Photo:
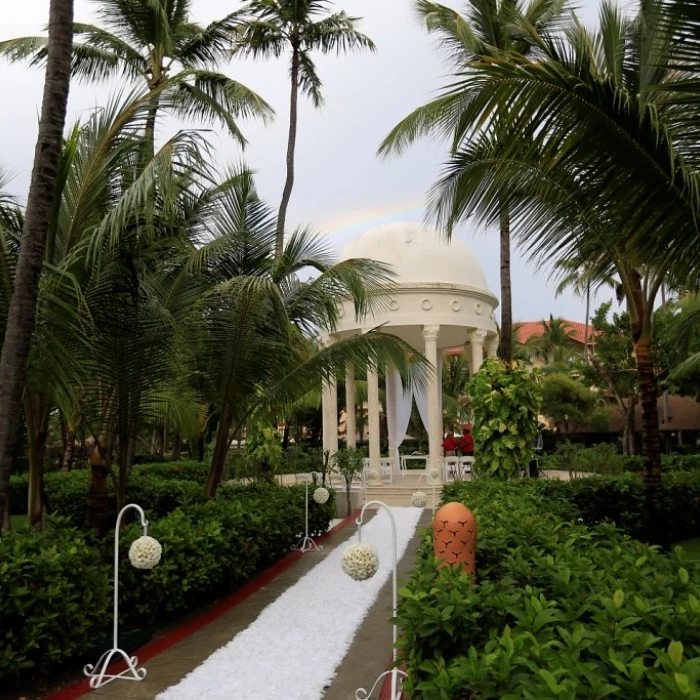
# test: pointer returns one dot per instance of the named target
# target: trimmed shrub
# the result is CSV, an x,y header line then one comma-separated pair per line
x,y
559,610
188,471
620,500
55,594
56,581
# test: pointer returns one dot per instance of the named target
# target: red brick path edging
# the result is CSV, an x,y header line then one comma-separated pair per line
x,y
151,649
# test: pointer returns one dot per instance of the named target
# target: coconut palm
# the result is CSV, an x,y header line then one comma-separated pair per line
x,y
609,174
22,309
487,27
270,28
155,41
553,345
256,314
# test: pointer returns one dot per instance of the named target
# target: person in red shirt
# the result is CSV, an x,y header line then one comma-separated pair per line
x,y
467,442
450,445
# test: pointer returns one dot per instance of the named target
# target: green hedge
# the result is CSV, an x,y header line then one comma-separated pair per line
x,y
605,458
55,581
54,595
620,500
559,610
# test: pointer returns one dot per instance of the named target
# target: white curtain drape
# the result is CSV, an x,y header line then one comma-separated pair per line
x,y
420,394
399,403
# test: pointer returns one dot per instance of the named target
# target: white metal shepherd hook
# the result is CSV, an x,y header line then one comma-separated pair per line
x,y
97,673
306,543
397,675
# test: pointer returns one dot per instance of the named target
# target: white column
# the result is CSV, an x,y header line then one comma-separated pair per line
x,y
476,338
373,419
430,336
390,407
350,427
492,345
329,403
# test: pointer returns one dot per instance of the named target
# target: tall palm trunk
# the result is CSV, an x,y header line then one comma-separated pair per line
x,y
291,145
505,348
36,410
588,316
216,468
21,316
655,525
97,511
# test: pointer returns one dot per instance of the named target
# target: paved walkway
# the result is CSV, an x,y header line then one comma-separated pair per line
x,y
369,655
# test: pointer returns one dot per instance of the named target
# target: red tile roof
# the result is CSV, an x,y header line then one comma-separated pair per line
x,y
528,329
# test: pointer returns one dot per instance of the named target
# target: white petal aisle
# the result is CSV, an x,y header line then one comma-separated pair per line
x,y
294,647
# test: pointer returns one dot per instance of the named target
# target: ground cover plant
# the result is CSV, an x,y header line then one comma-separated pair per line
x,y
559,609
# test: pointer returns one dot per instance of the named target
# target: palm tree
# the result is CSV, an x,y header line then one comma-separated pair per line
x,y
577,277
554,343
265,28
255,315
610,172
155,41
22,310
489,27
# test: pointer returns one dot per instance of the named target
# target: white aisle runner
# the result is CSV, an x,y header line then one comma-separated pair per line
x,y
292,650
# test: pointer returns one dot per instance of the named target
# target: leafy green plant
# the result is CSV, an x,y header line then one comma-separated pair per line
x,y
560,610
505,402
51,582
264,451
348,463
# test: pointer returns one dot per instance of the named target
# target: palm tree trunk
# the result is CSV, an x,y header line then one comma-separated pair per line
x,y
291,145
216,469
177,446
97,511
21,316
588,316
655,516
36,410
505,348
655,525
68,451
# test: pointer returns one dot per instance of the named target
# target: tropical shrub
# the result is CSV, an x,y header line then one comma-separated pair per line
x,y
559,610
620,500
51,583
55,580
505,402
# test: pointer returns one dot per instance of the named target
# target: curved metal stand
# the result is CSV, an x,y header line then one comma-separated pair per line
x,y
97,673
431,482
306,543
397,675
362,694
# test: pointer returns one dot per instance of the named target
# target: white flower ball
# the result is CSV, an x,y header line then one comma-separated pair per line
x,y
145,552
321,495
360,561
374,475
434,473
419,499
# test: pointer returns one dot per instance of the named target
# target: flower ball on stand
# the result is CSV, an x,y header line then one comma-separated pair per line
x,y
360,561
145,552
321,495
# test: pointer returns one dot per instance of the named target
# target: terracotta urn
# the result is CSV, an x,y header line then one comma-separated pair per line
x,y
454,537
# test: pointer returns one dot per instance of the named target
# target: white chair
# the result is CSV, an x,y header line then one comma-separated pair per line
x,y
450,466
466,464
386,467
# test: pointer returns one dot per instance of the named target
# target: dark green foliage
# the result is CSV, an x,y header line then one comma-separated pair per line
x,y
560,610
190,471
55,595
620,500
55,581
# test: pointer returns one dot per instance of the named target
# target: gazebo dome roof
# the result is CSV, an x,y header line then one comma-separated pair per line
x,y
420,254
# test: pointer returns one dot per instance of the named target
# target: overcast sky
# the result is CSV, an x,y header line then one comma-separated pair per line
x,y
341,188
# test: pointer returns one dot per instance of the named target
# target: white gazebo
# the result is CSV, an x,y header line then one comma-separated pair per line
x,y
440,301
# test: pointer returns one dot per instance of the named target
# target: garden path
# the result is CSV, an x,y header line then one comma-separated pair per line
x,y
367,657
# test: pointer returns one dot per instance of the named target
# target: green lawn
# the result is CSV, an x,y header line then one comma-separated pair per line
x,y
692,547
